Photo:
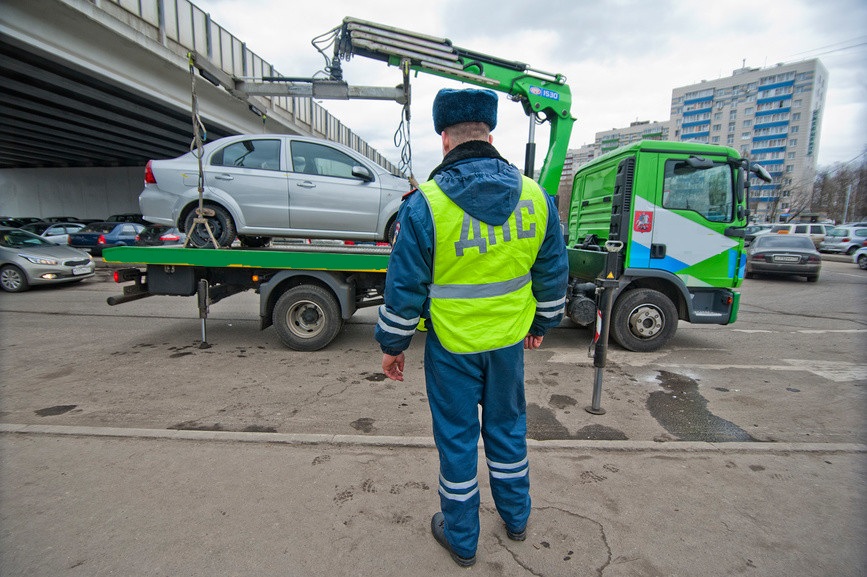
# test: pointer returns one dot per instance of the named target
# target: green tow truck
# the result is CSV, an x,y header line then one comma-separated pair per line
x,y
658,226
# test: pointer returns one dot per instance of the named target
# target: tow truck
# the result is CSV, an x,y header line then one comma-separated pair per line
x,y
656,227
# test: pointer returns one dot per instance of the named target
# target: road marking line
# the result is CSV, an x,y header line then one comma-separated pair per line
x,y
840,372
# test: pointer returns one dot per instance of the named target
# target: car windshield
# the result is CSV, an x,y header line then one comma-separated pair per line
x,y
100,227
838,232
21,238
783,241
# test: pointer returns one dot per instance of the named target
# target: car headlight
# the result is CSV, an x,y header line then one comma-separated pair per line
x,y
40,259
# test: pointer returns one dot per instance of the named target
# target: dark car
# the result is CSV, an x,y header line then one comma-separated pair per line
x,y
160,235
783,254
753,230
127,217
18,221
99,235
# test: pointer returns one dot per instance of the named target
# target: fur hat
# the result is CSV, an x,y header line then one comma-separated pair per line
x,y
452,107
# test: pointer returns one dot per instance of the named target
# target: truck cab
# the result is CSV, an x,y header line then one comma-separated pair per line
x,y
676,211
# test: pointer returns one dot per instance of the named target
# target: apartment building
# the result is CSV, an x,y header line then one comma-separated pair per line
x,y
773,115
608,140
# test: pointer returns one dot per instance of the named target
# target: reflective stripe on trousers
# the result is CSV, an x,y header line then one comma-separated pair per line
x,y
456,385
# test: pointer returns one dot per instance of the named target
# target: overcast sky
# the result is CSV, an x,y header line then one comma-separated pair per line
x,y
622,58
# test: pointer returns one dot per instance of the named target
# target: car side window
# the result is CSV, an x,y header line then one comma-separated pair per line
x,y
709,192
801,228
128,229
262,154
312,158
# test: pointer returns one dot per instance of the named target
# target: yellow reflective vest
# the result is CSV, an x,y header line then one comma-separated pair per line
x,y
481,298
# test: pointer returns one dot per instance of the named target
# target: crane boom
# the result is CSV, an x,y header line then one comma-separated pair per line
x,y
544,95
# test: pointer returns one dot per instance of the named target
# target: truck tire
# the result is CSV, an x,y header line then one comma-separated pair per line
x,y
221,225
643,320
307,317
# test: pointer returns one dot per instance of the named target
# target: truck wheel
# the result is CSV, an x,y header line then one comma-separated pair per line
x,y
13,279
307,317
643,320
221,225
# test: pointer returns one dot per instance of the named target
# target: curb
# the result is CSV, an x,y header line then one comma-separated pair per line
x,y
426,442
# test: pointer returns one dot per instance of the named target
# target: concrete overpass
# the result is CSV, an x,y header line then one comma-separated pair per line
x,y
91,90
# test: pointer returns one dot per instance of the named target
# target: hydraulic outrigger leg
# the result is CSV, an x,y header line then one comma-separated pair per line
x,y
606,288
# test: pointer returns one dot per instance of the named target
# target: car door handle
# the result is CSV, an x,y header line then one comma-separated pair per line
x,y
224,177
305,184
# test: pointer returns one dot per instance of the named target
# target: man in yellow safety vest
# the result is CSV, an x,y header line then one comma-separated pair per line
x,y
478,256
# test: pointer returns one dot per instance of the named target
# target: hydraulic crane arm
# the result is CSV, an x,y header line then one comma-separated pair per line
x,y
544,95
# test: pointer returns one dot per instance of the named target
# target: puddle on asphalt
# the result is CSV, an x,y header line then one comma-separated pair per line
x,y
55,410
683,412
542,425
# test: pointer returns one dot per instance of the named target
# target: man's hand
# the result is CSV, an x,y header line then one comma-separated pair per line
x,y
393,366
532,342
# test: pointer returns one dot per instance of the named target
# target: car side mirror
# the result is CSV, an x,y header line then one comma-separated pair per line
x,y
362,173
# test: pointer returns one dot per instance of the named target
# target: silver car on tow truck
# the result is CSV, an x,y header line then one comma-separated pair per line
x,y
274,185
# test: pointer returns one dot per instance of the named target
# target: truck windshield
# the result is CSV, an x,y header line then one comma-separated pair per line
x,y
709,191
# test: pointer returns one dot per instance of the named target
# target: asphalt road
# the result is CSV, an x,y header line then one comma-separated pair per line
x,y
127,449
791,369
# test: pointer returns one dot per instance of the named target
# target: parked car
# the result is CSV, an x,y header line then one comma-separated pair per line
x,y
782,254
56,232
274,185
752,230
844,239
127,217
859,257
815,231
17,221
159,235
27,259
99,235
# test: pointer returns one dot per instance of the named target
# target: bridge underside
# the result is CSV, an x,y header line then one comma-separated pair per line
x,y
53,114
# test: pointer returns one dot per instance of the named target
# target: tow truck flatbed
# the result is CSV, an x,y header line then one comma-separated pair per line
x,y
352,258
306,291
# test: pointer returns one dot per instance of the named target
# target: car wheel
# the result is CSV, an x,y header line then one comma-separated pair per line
x,y
813,278
13,279
862,262
750,275
307,317
851,250
390,230
254,241
221,224
643,320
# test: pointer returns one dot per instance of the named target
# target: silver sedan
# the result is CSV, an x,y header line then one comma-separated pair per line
x,y
27,259
273,185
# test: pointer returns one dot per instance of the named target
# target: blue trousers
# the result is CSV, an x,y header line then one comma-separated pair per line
x,y
456,386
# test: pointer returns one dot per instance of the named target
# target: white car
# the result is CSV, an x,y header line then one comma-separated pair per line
x,y
56,232
274,185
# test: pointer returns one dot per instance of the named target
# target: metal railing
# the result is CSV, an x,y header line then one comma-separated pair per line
x,y
182,26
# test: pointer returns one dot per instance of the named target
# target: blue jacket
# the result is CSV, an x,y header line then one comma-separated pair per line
x,y
487,187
